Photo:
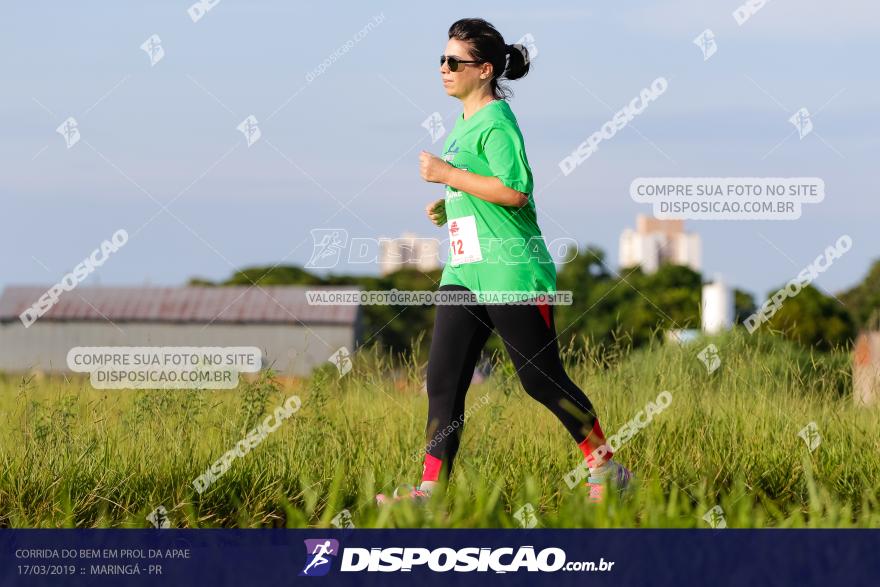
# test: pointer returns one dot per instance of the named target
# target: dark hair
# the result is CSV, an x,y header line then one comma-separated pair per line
x,y
509,62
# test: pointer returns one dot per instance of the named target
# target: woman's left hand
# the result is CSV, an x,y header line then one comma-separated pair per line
x,y
433,168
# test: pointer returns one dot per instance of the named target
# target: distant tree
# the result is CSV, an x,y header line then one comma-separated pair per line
x,y
275,275
630,304
200,282
397,327
863,300
814,319
743,305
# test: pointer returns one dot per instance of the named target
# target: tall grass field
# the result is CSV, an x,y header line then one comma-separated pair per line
x,y
73,456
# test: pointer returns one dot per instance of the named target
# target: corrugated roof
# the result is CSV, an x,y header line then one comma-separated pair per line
x,y
266,304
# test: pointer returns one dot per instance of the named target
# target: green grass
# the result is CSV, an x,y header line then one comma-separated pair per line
x,y
72,456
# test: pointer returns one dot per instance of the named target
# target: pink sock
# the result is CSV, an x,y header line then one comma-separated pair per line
x,y
431,470
594,448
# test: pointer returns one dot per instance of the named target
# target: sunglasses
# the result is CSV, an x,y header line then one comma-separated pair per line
x,y
453,62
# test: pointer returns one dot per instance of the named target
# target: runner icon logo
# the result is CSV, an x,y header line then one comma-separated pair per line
x,y
451,152
319,555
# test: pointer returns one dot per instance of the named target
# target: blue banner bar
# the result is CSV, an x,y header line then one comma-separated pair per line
x,y
440,557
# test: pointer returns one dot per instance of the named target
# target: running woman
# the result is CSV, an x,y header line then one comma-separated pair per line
x,y
496,246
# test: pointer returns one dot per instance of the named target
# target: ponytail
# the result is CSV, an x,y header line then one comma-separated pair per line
x,y
509,62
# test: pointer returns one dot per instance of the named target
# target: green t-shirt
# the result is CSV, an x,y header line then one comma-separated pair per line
x,y
494,248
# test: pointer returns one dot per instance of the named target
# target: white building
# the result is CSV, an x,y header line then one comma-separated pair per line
x,y
409,250
655,242
717,307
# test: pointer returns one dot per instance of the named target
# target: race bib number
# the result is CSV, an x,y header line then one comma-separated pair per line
x,y
464,241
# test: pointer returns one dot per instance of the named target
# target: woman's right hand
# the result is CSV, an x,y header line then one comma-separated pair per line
x,y
437,212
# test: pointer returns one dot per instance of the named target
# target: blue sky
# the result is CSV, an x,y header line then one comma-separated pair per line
x,y
168,132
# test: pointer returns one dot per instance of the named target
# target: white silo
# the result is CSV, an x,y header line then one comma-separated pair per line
x,y
717,306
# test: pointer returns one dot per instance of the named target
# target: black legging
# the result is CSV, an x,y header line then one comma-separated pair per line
x,y
460,331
